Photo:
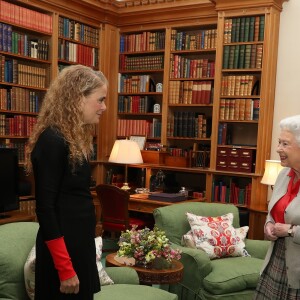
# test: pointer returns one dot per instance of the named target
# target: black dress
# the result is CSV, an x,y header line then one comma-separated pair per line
x,y
64,207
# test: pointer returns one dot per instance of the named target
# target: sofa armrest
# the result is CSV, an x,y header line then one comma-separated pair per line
x,y
197,266
123,275
257,248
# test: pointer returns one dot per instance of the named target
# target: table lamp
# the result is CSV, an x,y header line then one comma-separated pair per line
x,y
126,152
272,169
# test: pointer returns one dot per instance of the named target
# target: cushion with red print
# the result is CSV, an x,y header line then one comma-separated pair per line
x,y
216,236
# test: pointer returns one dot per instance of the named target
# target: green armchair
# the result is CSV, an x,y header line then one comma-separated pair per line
x,y
17,239
226,278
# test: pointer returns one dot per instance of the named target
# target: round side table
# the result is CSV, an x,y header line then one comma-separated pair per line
x,y
149,276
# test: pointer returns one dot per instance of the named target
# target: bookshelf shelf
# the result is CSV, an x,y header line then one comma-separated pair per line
x,y
14,137
189,78
141,93
15,112
28,87
190,105
192,52
241,70
140,114
79,42
142,71
22,57
188,139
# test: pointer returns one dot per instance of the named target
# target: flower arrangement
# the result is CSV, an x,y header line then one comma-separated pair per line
x,y
146,245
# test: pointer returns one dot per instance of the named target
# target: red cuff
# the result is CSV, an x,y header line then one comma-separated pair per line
x,y
61,258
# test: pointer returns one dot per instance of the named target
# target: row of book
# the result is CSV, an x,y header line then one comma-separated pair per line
x,y
188,124
244,29
22,44
78,53
13,71
25,17
19,125
135,104
184,67
231,192
193,40
18,145
239,109
149,128
200,156
144,41
148,62
179,152
74,30
190,92
20,99
243,56
28,207
239,85
135,84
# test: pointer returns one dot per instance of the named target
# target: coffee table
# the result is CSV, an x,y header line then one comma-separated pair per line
x,y
149,276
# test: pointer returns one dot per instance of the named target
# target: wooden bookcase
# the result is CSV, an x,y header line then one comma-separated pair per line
x,y
36,42
236,161
141,69
115,21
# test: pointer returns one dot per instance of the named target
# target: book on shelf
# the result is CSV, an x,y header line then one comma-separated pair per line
x,y
244,29
229,190
144,41
238,85
193,40
25,17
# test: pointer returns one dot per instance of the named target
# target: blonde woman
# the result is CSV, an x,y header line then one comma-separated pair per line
x,y
58,154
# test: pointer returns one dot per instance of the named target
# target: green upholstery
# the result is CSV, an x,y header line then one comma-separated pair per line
x,y
17,239
226,278
130,292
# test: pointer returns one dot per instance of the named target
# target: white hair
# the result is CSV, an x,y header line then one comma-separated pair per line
x,y
292,124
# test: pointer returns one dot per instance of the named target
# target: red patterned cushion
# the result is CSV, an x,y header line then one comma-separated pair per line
x,y
216,235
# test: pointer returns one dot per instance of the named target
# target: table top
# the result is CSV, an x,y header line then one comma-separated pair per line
x,y
141,203
170,275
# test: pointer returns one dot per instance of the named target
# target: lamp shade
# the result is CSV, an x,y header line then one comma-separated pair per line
x,y
126,152
272,169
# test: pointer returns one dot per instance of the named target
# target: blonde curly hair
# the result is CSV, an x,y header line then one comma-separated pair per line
x,y
61,110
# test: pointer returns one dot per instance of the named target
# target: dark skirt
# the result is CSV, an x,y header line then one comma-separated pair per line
x,y
273,283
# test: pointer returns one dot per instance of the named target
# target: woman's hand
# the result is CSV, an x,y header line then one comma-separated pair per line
x,y
270,232
70,286
281,230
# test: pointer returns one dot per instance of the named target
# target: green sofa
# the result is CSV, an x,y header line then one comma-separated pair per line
x,y
17,239
226,278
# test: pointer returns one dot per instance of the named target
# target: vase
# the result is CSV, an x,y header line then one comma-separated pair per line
x,y
160,263
143,263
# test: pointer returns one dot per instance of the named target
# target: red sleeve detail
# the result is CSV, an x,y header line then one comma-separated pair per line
x,y
61,258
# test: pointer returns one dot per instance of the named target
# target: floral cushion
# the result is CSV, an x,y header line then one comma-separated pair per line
x,y
104,278
216,236
29,269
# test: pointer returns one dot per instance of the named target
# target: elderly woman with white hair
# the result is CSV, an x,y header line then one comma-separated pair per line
x,y
280,278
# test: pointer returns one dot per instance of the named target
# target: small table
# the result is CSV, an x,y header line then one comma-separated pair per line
x,y
150,276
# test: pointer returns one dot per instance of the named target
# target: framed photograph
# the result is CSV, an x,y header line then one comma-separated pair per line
x,y
140,139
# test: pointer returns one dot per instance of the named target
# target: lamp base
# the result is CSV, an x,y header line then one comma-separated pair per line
x,y
125,186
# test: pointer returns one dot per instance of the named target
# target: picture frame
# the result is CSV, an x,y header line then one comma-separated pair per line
x,y
139,139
